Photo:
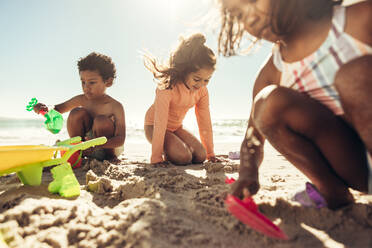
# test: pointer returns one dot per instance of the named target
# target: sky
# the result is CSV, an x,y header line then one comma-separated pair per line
x,y
42,40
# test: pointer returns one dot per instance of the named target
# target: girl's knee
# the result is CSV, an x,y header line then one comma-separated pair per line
x,y
199,156
181,158
78,114
270,105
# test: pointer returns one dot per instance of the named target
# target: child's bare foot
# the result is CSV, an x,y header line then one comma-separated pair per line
x,y
338,198
335,202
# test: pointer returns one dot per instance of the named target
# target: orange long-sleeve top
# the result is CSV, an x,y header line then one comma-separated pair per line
x,y
169,110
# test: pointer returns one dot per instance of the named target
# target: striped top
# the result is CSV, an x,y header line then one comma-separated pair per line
x,y
314,75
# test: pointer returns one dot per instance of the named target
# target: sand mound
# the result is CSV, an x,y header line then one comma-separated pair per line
x,y
134,204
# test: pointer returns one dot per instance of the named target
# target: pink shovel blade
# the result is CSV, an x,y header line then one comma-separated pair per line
x,y
247,212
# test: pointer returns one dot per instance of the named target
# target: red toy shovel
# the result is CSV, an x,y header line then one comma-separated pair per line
x,y
247,212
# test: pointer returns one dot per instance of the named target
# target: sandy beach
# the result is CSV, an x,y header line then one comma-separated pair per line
x,y
134,204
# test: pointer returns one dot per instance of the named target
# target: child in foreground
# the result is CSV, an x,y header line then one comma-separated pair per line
x,y
311,99
181,85
94,113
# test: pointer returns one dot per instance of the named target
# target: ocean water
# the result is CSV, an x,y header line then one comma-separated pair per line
x,y
33,132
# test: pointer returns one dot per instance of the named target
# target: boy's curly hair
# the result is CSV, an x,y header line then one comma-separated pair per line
x,y
98,62
285,15
190,55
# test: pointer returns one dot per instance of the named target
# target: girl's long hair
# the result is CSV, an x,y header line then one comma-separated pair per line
x,y
285,15
190,55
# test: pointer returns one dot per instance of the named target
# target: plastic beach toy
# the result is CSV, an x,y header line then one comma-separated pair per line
x,y
247,212
28,162
2,242
54,120
310,197
234,155
75,159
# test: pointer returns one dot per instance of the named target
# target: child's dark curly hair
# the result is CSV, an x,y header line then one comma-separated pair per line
x,y
190,56
285,14
98,62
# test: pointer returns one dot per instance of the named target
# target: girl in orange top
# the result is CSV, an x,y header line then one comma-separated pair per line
x,y
181,85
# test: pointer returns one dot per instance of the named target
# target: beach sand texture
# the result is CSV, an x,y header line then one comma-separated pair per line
x,y
134,204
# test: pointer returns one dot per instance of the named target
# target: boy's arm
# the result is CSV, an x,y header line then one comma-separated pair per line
x,y
68,105
251,151
62,107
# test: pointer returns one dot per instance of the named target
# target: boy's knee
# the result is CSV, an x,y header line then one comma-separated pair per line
x,y
78,113
103,126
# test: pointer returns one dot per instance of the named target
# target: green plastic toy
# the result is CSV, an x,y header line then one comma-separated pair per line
x,y
65,182
28,162
54,119
2,242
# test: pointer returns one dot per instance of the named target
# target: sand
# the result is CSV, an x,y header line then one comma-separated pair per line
x,y
134,204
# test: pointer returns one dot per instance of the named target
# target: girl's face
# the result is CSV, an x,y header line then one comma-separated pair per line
x,y
93,84
255,15
199,78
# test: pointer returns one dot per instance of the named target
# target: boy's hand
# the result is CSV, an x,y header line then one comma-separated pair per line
x,y
40,107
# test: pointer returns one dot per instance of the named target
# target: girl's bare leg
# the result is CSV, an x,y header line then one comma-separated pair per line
x,y
321,145
176,151
199,154
79,122
354,84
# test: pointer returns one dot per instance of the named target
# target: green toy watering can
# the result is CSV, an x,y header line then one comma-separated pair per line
x,y
54,119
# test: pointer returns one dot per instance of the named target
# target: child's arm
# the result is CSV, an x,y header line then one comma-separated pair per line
x,y
62,107
68,105
358,21
203,117
251,151
162,101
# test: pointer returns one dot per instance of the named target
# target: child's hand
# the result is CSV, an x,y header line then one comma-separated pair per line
x,y
163,164
245,187
40,107
214,159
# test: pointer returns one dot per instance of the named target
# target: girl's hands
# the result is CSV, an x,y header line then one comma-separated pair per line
x,y
214,159
163,164
40,107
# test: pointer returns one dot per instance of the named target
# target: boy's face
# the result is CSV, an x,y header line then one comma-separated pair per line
x,y
92,84
200,78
